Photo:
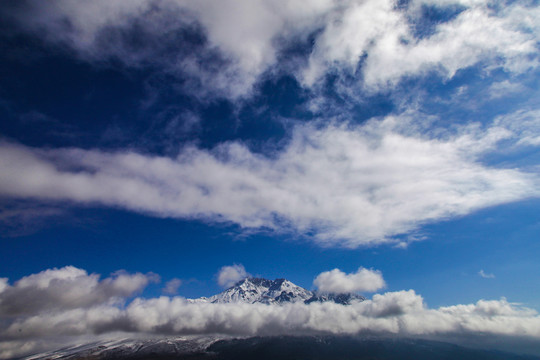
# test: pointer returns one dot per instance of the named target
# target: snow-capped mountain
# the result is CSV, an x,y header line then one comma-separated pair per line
x,y
279,291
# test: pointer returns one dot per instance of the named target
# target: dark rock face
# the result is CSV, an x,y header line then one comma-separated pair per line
x,y
330,348
257,281
343,299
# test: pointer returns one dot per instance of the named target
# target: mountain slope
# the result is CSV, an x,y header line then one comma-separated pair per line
x,y
277,347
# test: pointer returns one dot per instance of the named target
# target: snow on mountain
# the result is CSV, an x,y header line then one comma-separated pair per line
x,y
166,348
279,291
343,299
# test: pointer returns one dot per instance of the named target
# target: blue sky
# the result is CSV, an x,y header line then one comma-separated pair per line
x,y
178,137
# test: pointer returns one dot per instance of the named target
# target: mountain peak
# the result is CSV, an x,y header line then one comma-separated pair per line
x,y
279,291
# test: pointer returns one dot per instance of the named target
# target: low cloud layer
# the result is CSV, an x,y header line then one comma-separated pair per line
x,y
402,313
230,275
336,281
348,185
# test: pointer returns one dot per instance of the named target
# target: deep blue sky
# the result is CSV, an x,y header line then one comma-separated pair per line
x,y
124,92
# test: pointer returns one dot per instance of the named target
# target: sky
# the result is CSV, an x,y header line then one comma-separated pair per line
x,y
157,150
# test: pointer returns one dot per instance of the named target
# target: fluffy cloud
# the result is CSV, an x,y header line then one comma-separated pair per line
x,y
336,281
247,37
230,275
401,313
67,288
350,186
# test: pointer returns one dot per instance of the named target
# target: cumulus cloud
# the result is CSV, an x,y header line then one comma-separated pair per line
x,y
486,275
247,37
67,288
348,185
230,275
172,286
336,281
402,313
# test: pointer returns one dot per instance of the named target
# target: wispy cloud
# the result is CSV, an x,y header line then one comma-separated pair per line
x,y
172,286
349,185
486,275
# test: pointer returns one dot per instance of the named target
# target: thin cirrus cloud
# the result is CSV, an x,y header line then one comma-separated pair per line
x,y
343,32
402,313
336,281
348,185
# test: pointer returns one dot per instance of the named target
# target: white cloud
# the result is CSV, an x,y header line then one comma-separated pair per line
x,y
336,281
242,35
230,275
400,313
172,286
378,35
3,284
348,185
525,124
247,36
66,288
505,88
486,275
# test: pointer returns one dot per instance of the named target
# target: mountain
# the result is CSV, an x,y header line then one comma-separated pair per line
x,y
161,348
277,347
343,299
279,291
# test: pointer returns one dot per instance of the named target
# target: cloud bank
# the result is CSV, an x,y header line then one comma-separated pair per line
x,y
402,313
348,185
336,281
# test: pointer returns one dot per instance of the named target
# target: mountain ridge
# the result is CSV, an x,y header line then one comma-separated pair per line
x,y
253,290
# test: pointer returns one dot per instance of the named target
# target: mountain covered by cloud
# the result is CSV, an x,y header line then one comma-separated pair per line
x,y
37,326
277,347
301,138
